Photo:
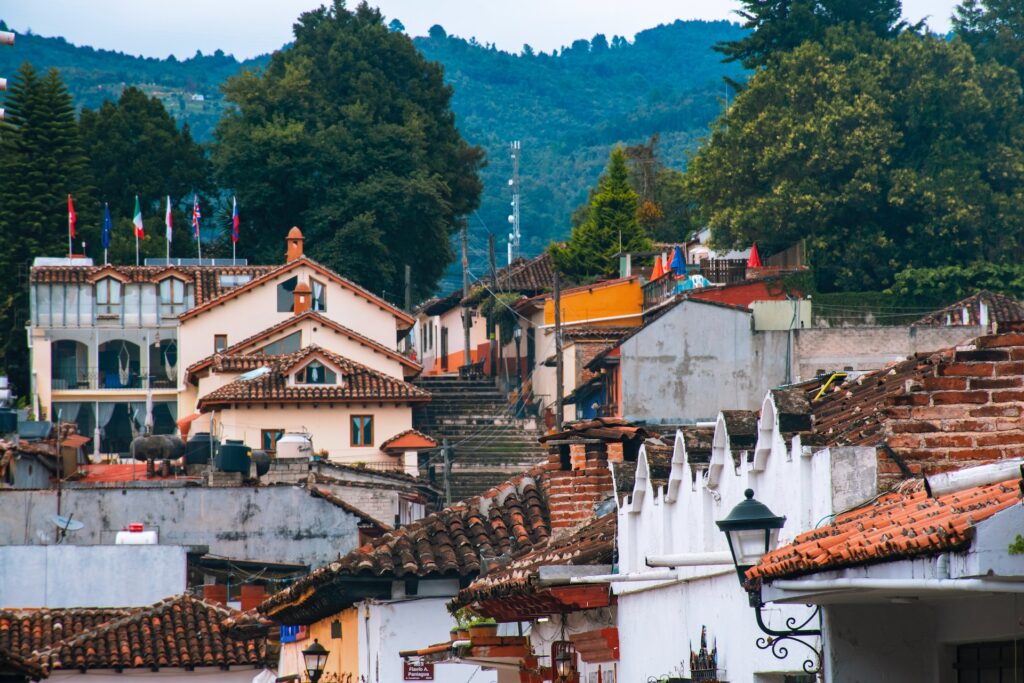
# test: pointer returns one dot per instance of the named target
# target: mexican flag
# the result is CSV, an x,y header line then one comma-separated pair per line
x,y
137,220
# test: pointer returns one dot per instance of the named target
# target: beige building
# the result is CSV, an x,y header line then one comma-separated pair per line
x,y
253,351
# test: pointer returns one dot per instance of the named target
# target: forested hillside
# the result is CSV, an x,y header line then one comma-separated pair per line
x,y
567,109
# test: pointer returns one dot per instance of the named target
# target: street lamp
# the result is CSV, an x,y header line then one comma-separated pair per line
x,y
518,334
315,658
563,659
752,531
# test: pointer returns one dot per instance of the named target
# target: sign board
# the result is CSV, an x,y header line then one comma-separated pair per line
x,y
418,671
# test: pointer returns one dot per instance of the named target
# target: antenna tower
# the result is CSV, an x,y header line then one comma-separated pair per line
x,y
513,219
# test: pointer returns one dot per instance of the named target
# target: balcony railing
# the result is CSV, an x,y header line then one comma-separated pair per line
x,y
93,381
722,271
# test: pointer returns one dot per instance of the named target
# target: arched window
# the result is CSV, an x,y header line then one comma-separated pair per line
x,y
172,297
315,373
108,297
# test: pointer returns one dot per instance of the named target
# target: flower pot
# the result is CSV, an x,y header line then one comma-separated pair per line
x,y
483,631
454,633
463,634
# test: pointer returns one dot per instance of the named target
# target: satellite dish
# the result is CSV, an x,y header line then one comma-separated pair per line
x,y
253,374
66,523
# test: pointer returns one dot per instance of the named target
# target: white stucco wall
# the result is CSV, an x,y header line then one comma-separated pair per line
x,y
696,360
656,622
116,575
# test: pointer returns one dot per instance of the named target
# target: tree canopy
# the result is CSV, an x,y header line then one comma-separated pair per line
x,y
882,154
994,29
349,134
610,226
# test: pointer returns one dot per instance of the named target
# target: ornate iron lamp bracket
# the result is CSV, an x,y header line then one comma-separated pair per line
x,y
777,640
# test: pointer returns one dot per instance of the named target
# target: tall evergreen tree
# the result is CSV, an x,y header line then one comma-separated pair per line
x,y
348,133
778,26
610,226
994,29
43,163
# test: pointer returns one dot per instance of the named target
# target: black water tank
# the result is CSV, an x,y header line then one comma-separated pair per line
x,y
8,421
262,461
198,448
157,447
234,456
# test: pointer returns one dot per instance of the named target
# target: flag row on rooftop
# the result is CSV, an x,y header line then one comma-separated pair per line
x,y
677,266
139,229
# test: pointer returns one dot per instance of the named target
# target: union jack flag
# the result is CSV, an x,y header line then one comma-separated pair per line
x,y
196,215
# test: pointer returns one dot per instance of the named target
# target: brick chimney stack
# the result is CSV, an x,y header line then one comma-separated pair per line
x,y
294,241
303,296
573,489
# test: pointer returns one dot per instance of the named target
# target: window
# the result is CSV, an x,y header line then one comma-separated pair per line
x,y
220,342
227,280
108,297
319,302
269,438
172,297
285,296
362,430
315,373
982,662
289,344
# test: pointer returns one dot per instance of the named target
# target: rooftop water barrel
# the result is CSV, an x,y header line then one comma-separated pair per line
x,y
234,456
200,447
294,445
136,534
262,461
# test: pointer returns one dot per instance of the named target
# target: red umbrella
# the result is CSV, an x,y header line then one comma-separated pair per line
x,y
755,259
659,269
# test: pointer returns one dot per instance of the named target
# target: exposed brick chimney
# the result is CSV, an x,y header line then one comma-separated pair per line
x,y
216,593
294,241
573,491
303,296
252,595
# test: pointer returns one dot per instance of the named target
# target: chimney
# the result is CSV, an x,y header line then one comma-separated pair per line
x,y
303,296
574,488
216,593
252,595
294,241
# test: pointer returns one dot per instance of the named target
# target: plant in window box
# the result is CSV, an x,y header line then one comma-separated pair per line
x,y
483,628
463,617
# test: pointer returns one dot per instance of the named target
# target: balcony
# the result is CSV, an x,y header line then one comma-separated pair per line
x,y
115,364
92,380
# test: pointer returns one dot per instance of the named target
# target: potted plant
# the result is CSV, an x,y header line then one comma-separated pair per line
x,y
462,619
483,628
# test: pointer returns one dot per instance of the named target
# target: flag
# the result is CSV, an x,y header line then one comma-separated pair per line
x,y
196,215
71,218
167,220
108,225
137,220
234,219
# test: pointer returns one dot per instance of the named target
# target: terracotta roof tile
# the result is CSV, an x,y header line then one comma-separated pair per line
x,y
896,526
181,631
410,439
357,383
1001,309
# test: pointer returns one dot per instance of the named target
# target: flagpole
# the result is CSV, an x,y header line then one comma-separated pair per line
x,y
70,248
136,248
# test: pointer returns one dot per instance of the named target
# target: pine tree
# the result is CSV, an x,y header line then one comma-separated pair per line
x,y
43,163
610,226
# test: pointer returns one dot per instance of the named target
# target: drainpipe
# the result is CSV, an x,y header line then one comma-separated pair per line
x,y
690,559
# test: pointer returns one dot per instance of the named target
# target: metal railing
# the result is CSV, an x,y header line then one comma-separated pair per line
x,y
96,380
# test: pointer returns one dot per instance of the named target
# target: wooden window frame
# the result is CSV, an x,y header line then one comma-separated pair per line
x,y
362,431
275,434
109,285
218,337
301,375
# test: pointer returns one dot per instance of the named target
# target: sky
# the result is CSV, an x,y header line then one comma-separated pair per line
x,y
246,28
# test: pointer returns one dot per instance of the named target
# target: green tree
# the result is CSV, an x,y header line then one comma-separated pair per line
x,y
610,226
666,212
349,128
883,154
42,164
994,29
134,148
778,26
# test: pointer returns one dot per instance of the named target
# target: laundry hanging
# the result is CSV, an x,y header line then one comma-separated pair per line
x,y
124,365
170,369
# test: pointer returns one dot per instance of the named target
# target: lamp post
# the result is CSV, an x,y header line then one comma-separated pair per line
x,y
315,658
563,660
752,531
518,334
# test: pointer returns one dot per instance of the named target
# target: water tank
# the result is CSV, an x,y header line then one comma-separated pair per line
x,y
294,445
157,447
234,456
8,421
200,447
136,534
262,461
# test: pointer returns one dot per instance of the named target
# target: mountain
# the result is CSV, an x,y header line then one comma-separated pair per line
x,y
568,109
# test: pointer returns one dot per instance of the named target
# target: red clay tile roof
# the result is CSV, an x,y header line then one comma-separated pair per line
x,y
1001,309
237,347
593,543
13,663
275,271
357,383
606,428
182,631
525,276
205,279
508,520
410,439
896,526
595,333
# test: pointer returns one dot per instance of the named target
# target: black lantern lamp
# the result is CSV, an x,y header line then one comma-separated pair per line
x,y
315,658
563,660
753,531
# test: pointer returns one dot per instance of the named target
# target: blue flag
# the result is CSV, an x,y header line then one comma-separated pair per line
x,y
107,226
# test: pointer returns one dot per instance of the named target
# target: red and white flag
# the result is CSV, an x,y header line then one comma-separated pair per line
x,y
167,220
71,218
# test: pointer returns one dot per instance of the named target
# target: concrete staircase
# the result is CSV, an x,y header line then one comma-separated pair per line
x,y
489,445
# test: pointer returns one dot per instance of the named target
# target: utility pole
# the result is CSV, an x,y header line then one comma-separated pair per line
x,y
466,320
494,290
6,38
446,453
513,219
408,288
559,380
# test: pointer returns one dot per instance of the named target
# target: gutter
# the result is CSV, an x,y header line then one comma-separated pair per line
x,y
909,585
690,559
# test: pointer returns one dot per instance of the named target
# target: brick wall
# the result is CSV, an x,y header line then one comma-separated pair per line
x,y
572,493
965,411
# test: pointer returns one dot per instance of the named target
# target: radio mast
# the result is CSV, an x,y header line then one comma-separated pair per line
x,y
513,219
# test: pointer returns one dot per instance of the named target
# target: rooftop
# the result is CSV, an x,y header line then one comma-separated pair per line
x,y
1000,309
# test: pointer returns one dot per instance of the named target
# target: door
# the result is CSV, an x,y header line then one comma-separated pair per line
x,y
444,348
